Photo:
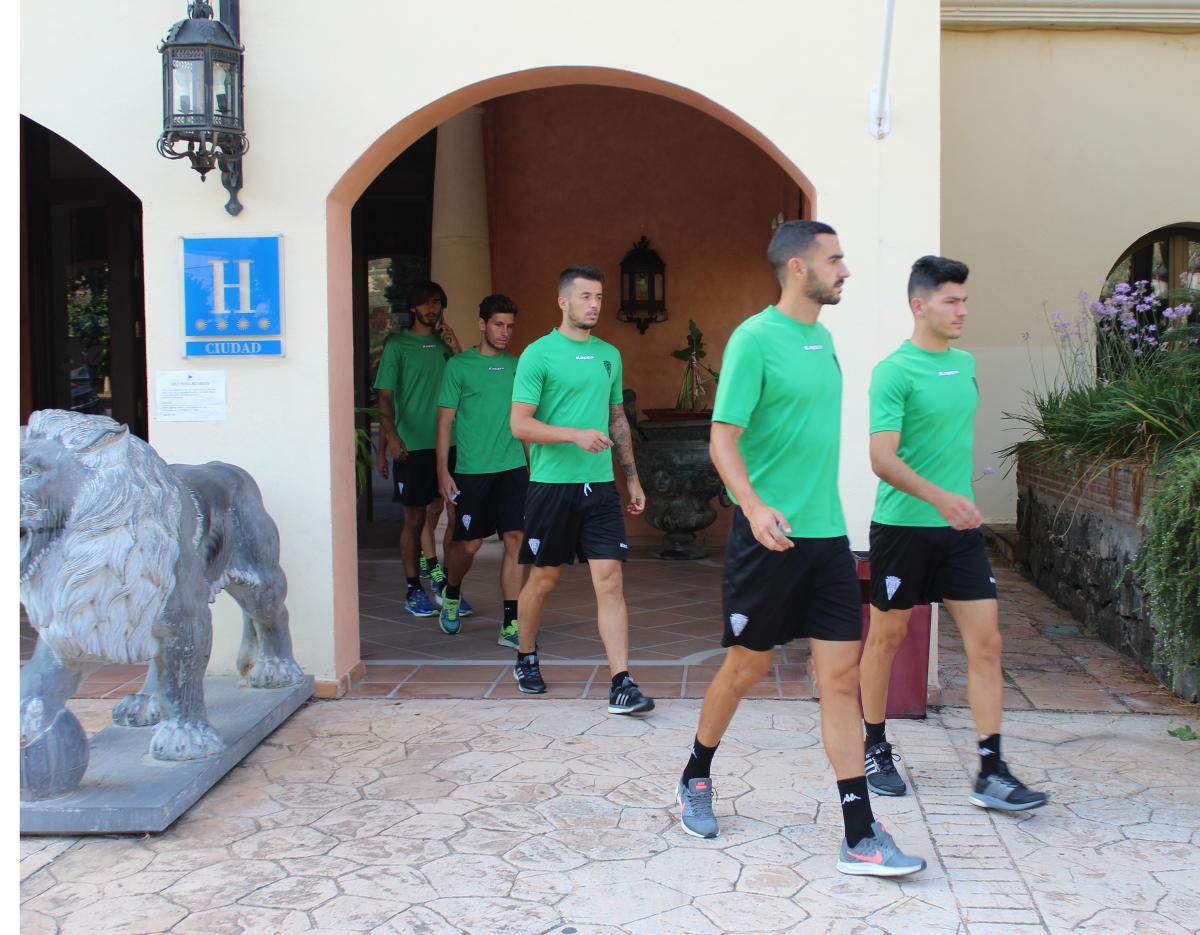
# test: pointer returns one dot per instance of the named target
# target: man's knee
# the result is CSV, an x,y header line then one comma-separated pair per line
x,y
513,540
837,672
747,667
543,580
886,635
469,546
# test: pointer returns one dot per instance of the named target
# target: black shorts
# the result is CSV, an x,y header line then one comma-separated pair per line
x,y
568,521
489,503
414,479
924,564
770,598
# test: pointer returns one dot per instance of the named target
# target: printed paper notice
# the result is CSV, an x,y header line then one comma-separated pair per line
x,y
191,395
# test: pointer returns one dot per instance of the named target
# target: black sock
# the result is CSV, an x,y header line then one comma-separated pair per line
x,y
414,584
856,808
510,612
876,732
453,591
618,678
989,755
527,657
699,764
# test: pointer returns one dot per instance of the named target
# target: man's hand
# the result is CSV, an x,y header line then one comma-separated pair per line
x,y
447,488
770,528
637,499
396,449
958,511
592,440
449,337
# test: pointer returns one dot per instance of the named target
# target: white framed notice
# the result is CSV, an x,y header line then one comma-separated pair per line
x,y
190,396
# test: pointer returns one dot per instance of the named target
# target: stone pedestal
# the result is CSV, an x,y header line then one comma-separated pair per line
x,y
126,791
680,482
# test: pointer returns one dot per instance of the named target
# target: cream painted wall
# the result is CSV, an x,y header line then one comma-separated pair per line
x,y
1059,149
321,90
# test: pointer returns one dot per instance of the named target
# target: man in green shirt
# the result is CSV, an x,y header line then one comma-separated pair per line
x,y
488,486
408,379
789,572
925,539
567,405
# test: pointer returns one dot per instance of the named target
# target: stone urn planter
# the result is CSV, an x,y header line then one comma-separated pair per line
x,y
678,477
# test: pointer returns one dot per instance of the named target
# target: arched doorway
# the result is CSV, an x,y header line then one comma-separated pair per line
x,y
575,171
82,314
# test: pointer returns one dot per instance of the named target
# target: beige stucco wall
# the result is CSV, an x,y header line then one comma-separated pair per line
x,y
332,97
1059,149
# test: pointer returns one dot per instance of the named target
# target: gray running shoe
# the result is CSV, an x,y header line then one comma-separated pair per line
x,y
882,777
695,807
1004,791
877,856
627,698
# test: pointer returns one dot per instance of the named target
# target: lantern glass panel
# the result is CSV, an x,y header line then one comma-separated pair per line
x,y
225,93
641,286
187,88
659,292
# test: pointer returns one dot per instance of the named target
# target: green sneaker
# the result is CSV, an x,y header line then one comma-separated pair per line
x,y
423,561
448,618
508,635
437,582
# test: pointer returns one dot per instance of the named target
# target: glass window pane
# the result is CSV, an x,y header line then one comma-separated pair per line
x,y
225,91
187,86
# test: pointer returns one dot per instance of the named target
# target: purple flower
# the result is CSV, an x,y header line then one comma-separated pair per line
x,y
1152,327
1121,288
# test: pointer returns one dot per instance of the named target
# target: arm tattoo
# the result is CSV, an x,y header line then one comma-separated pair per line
x,y
618,431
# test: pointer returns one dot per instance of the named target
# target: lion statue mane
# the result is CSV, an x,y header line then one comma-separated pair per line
x,y
121,555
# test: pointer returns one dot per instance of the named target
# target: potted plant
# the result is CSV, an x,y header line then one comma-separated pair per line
x,y
671,449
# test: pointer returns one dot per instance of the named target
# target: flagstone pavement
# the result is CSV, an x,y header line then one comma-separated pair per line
x,y
487,813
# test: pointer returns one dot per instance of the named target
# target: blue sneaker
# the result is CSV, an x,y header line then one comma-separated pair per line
x,y
449,619
418,603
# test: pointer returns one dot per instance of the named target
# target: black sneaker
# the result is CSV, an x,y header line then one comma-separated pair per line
x,y
528,674
626,698
882,777
1004,791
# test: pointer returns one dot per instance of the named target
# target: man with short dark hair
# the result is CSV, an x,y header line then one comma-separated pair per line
x,y
567,405
488,485
408,379
925,539
789,572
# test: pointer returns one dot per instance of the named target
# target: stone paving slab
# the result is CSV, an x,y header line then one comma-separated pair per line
x,y
518,817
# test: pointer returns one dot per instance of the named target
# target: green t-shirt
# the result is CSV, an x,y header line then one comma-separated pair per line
x,y
930,399
572,383
411,367
781,382
479,388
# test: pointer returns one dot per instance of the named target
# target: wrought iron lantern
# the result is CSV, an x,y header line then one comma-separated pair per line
x,y
643,287
202,95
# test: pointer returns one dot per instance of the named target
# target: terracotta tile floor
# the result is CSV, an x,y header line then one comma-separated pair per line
x,y
674,612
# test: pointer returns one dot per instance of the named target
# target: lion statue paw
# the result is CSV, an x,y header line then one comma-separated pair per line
x,y
275,672
137,710
185,740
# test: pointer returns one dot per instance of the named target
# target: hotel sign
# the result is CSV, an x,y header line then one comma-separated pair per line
x,y
232,297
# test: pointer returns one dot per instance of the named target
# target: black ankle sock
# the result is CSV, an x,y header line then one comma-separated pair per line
x,y
414,584
989,755
527,657
618,678
510,612
876,732
453,591
699,764
856,808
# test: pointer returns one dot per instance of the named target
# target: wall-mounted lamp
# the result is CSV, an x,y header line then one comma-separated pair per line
x,y
643,287
202,95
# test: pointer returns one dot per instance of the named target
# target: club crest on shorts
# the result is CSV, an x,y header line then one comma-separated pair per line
x,y
893,585
534,545
400,488
466,521
737,623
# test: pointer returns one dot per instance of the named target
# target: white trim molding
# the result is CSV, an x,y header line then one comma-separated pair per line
x,y
1183,15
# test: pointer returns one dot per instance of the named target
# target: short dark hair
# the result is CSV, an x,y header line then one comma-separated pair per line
x,y
792,239
496,303
931,272
578,271
421,292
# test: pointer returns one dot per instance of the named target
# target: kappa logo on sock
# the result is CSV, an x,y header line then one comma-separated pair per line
x,y
984,751
737,623
534,545
992,580
850,797
466,521
893,585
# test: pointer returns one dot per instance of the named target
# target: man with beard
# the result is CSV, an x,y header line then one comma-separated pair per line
x,y
488,486
566,405
789,572
408,379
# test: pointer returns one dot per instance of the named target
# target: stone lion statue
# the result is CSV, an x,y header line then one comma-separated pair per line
x,y
121,556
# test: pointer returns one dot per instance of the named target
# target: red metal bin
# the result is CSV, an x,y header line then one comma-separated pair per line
x,y
908,688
